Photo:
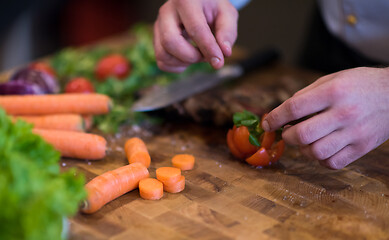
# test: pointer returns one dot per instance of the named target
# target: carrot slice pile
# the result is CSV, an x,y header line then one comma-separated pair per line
x,y
75,144
150,189
168,175
175,187
183,161
136,151
69,122
112,184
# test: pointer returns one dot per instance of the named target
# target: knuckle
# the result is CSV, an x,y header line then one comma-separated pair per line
x,y
337,90
167,41
347,114
303,135
292,108
321,151
332,164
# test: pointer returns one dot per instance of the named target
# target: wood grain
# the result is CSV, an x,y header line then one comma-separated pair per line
x,y
226,199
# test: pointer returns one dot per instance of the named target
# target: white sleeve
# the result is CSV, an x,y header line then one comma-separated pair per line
x,y
239,4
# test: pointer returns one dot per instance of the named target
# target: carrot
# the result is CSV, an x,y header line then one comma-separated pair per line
x,y
183,161
168,175
175,187
70,122
75,144
55,104
112,184
150,189
136,151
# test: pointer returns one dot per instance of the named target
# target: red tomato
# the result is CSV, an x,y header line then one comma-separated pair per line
x,y
112,65
43,67
277,151
231,145
268,139
241,140
79,85
260,158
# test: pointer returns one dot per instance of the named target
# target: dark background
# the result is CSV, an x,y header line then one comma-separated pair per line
x,y
32,29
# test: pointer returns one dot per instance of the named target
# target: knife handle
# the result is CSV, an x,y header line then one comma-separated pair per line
x,y
259,59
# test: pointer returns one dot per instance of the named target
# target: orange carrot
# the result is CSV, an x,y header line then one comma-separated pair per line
x,y
75,144
136,151
150,189
69,122
175,187
183,161
168,175
55,104
112,184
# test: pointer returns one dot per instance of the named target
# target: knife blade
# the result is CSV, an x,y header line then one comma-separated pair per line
x,y
200,82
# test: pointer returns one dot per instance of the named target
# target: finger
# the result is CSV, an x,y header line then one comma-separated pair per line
x,y
312,129
171,37
166,61
196,25
326,147
171,68
295,108
226,28
344,157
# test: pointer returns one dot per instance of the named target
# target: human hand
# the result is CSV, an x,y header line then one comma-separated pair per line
x,y
210,24
351,116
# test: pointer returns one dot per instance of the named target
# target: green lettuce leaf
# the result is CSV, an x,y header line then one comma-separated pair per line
x,y
35,196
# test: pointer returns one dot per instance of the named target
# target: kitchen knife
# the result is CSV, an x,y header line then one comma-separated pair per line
x,y
199,82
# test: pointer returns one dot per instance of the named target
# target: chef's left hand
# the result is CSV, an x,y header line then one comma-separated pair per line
x,y
350,116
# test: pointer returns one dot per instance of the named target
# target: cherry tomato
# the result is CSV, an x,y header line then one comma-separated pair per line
x,y
268,139
112,65
277,151
79,85
231,145
43,67
260,158
241,140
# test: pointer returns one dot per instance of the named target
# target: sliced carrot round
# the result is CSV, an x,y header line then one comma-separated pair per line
x,y
168,175
175,187
150,189
183,161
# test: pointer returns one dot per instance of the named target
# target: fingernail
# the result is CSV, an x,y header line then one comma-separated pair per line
x,y
215,61
265,125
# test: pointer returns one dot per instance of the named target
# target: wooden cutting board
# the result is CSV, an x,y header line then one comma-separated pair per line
x,y
228,199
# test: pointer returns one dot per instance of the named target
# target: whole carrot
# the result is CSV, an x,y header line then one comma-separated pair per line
x,y
136,151
55,104
110,185
69,122
75,144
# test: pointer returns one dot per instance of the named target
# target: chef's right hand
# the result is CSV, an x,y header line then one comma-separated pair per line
x,y
211,25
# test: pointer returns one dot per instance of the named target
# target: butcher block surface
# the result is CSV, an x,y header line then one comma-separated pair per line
x,y
225,198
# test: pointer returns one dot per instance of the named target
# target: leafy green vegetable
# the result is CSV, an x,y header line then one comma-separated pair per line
x,y
253,124
34,195
73,62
